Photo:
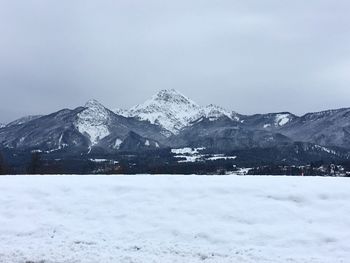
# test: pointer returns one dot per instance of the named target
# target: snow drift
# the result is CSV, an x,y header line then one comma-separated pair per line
x,y
174,219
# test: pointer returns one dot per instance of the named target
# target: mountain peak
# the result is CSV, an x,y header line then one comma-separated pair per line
x,y
214,112
172,96
168,108
94,121
93,104
173,111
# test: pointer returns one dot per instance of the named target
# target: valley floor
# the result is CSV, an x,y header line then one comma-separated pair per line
x,y
90,219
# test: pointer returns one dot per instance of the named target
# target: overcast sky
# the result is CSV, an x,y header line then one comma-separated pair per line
x,y
249,56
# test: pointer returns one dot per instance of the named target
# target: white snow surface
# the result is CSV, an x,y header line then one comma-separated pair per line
x,y
99,160
94,121
282,119
166,219
187,150
117,143
188,155
221,157
173,111
191,155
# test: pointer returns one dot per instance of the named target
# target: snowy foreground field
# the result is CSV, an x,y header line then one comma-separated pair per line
x,y
93,219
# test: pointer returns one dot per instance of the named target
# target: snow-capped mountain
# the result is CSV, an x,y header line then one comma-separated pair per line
x,y
170,119
173,111
107,129
94,121
168,108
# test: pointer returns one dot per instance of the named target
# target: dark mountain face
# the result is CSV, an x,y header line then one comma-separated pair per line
x,y
226,134
94,129
23,120
134,142
328,128
296,153
47,133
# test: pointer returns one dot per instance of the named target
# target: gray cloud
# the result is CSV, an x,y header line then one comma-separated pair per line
x,y
249,56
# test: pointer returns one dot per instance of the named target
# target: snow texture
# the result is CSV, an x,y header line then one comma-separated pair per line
x,y
165,219
173,111
117,143
221,157
188,155
187,150
104,161
191,155
94,121
282,119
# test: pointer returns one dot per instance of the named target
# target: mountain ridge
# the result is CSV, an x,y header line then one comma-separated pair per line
x,y
170,120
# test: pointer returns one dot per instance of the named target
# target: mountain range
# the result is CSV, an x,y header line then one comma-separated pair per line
x,y
170,120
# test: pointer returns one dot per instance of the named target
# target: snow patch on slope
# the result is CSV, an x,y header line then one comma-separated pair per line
x,y
188,154
324,149
282,119
93,121
217,157
192,155
117,143
187,150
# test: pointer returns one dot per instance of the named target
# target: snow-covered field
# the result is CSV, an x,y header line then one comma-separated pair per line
x,y
56,219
